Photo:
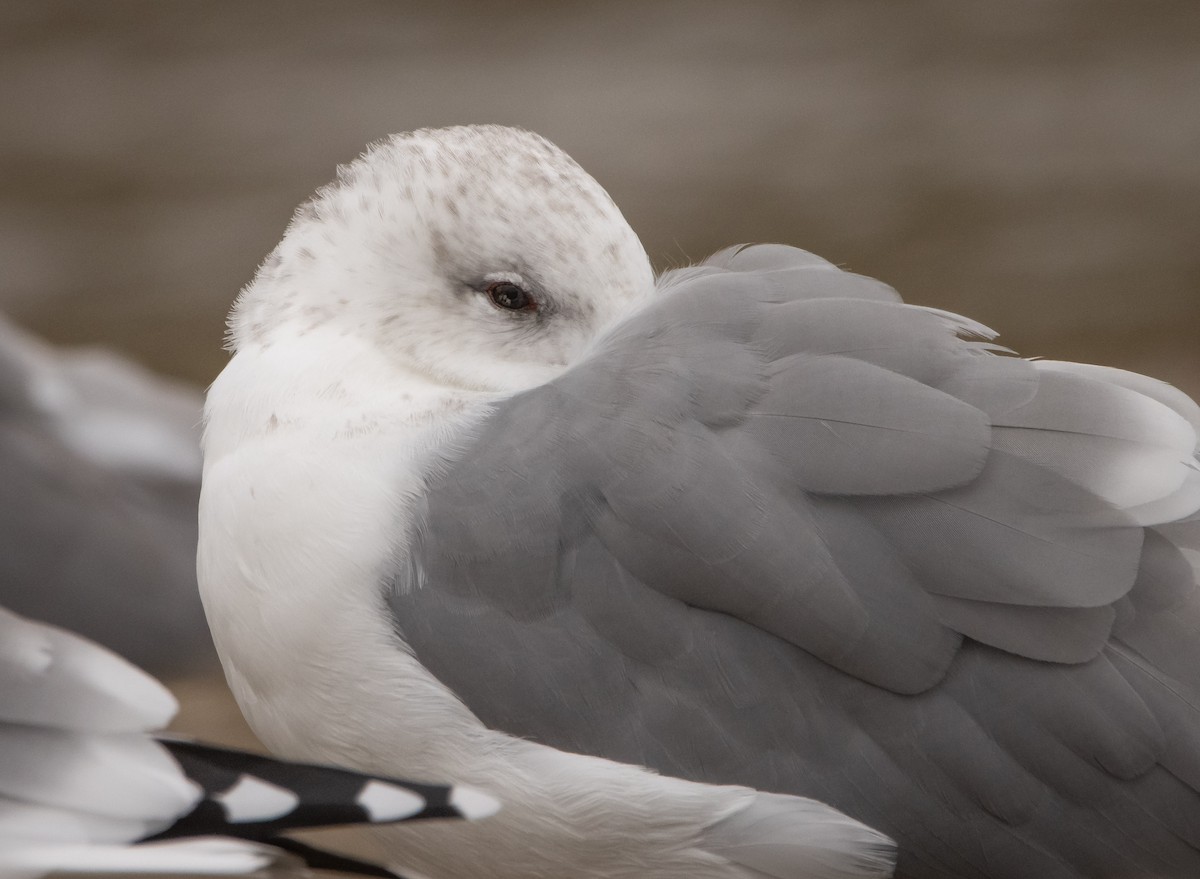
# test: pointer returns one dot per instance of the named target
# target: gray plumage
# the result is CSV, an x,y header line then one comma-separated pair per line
x,y
100,465
785,531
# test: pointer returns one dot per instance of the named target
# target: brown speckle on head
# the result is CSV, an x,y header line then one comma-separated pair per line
x,y
437,243
399,251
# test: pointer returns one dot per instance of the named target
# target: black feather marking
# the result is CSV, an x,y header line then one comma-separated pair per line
x,y
327,796
318,859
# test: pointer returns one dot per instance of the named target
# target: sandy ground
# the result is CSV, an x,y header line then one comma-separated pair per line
x,y
208,711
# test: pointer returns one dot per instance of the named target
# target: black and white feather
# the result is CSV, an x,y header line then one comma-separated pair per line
x,y
257,797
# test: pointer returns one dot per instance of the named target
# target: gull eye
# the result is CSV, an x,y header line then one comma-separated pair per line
x,y
507,295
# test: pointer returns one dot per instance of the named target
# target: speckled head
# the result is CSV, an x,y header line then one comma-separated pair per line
x,y
422,244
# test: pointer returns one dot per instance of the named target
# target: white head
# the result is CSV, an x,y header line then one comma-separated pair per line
x,y
480,257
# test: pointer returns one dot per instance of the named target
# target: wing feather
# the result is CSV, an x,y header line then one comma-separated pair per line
x,y
781,529
842,426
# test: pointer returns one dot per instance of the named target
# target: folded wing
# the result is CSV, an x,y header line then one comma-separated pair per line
x,y
781,529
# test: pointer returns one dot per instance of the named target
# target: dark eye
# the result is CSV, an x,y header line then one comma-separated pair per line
x,y
505,294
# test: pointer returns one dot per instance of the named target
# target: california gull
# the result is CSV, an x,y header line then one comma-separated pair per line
x,y
484,500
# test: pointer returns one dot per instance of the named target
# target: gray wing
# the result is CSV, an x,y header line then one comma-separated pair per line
x,y
783,530
100,468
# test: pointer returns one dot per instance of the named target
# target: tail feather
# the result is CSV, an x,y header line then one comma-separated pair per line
x,y
253,796
784,837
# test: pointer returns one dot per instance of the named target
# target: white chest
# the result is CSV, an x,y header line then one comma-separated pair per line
x,y
306,502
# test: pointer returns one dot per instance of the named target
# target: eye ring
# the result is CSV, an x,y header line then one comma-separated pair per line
x,y
510,296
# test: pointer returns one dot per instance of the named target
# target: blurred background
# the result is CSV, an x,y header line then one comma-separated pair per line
x,y
1033,164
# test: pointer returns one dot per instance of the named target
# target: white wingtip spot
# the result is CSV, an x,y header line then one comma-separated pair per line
x,y
253,799
386,802
473,804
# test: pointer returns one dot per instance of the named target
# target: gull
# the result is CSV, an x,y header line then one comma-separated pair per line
x,y
82,778
745,571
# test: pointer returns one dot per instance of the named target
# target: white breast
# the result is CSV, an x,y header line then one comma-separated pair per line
x,y
313,454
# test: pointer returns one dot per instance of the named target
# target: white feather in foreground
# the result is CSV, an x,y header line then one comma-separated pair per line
x,y
80,778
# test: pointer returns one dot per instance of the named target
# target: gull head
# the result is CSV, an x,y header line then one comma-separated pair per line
x,y
477,257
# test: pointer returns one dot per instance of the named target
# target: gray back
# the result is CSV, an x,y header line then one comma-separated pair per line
x,y
783,530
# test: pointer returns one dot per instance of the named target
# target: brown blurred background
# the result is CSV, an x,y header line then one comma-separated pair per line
x,y
1035,165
